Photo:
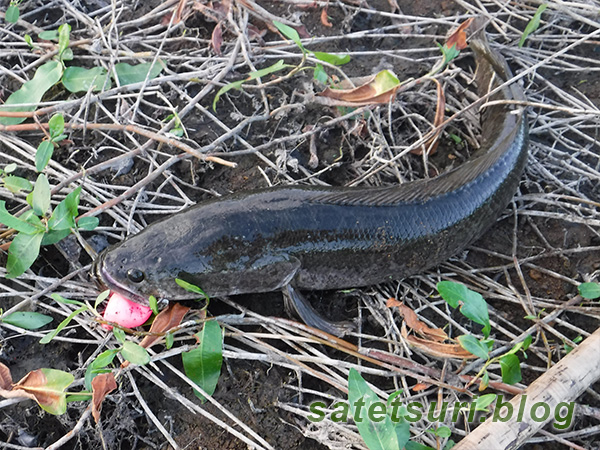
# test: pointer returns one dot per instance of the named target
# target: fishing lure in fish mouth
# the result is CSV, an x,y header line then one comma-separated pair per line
x,y
292,238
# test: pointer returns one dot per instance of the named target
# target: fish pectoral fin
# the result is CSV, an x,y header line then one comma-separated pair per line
x,y
272,272
295,301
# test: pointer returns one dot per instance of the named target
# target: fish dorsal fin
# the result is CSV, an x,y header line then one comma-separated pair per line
x,y
422,190
501,125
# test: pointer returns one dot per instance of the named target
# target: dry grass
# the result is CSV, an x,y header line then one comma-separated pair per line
x,y
556,208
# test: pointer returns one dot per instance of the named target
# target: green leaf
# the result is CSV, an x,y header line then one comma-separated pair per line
x,y
527,342
153,303
56,383
378,435
135,353
128,74
384,81
452,292
289,33
474,306
9,168
78,396
61,325
103,296
568,348
27,319
32,91
72,200
22,253
60,299
443,432
473,345
62,217
456,138
119,334
533,24
64,32
50,35
88,223
12,14
190,287
481,403
590,291
16,223
29,41
169,339
510,367
54,236
410,445
279,65
56,126
449,53
78,79
336,60
16,184
67,55
320,74
97,366
203,364
59,138
523,345
40,200
43,155
485,381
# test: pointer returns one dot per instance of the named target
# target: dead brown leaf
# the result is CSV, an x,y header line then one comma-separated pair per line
x,y
458,37
216,39
102,385
7,387
412,321
436,349
166,319
213,11
420,387
324,19
431,145
5,377
34,386
380,88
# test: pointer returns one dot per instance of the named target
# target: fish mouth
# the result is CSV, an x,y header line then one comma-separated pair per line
x,y
105,280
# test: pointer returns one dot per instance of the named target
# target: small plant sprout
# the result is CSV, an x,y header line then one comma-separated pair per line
x,y
41,225
12,12
474,307
533,24
319,72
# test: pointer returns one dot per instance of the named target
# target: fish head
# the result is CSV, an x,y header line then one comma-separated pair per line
x,y
140,271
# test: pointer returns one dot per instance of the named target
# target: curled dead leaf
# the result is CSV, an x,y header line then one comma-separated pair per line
x,y
420,387
380,88
168,318
436,349
459,37
216,39
412,321
5,377
431,145
102,385
33,383
325,19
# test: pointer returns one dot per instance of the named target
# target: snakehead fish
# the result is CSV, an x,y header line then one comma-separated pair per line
x,y
316,238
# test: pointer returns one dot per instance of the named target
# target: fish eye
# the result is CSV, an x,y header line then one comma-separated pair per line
x,y
135,275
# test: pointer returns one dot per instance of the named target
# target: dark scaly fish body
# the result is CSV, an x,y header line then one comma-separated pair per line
x,y
330,237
